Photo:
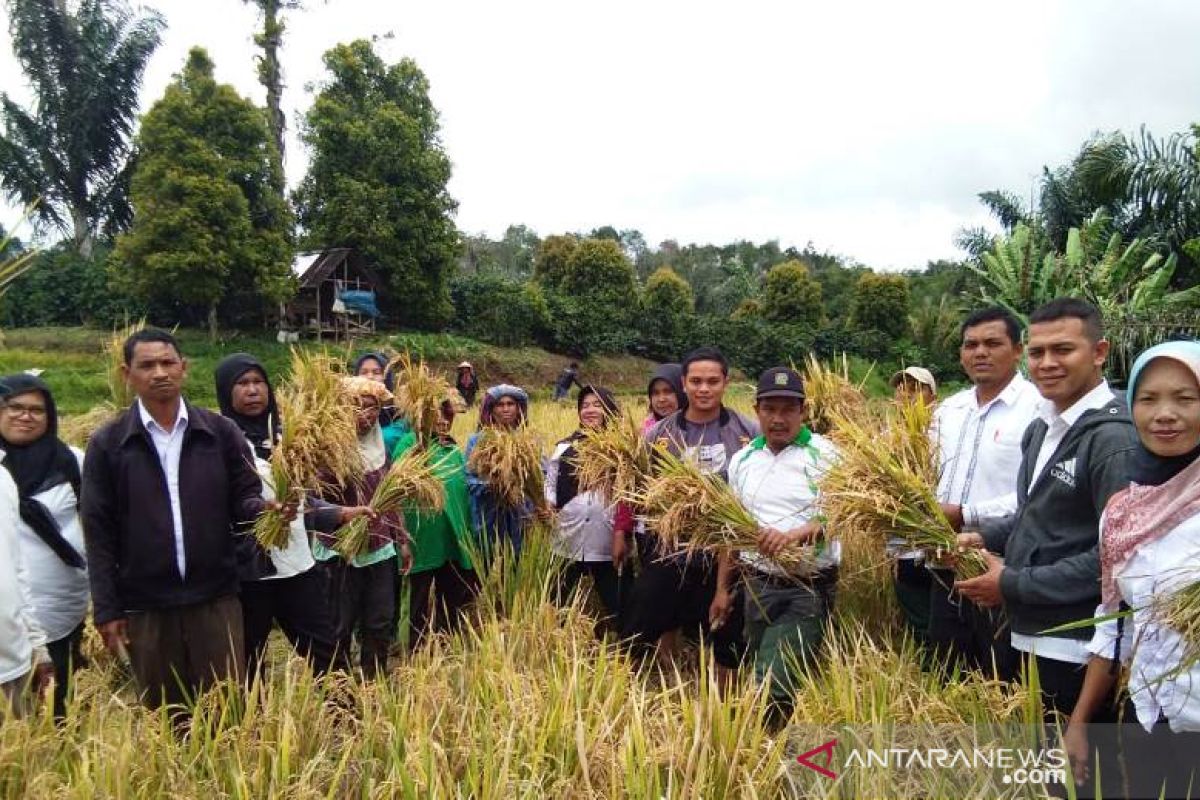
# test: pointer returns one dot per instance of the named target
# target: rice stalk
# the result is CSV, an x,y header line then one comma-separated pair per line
x,y
413,480
613,460
509,461
318,449
1180,611
882,486
420,393
697,512
830,394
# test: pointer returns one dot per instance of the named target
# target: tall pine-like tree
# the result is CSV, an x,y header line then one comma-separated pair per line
x,y
210,235
377,180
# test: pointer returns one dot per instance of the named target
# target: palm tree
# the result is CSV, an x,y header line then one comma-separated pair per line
x,y
72,149
1159,180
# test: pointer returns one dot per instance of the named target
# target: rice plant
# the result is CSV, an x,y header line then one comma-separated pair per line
x,y
319,445
411,479
509,461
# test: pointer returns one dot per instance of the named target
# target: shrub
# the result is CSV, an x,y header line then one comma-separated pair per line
x,y
499,309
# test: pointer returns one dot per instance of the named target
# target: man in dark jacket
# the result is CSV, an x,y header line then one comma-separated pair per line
x,y
165,487
566,379
1075,455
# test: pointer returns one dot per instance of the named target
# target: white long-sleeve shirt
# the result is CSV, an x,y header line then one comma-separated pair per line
x,y
22,640
1151,649
980,449
59,591
169,447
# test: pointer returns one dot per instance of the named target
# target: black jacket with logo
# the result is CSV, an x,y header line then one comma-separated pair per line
x,y
1051,546
126,512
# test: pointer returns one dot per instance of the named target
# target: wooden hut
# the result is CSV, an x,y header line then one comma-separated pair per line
x,y
337,295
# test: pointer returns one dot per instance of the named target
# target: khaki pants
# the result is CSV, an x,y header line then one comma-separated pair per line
x,y
176,653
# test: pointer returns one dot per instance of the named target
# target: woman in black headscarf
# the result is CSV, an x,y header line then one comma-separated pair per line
x,y
584,525
47,474
279,585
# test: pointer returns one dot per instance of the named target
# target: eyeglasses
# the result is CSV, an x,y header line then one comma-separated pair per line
x,y
19,410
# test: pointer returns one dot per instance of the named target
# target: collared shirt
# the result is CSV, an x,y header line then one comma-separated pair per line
x,y
1158,679
980,449
1057,424
781,491
1060,648
169,446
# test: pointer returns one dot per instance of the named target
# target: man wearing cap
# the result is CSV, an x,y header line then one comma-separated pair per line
x,y
776,477
911,580
912,382
979,433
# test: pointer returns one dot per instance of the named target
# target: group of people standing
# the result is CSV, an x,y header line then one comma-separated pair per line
x,y
1081,500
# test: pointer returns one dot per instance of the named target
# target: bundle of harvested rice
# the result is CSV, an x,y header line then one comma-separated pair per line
x,y
79,429
319,446
509,461
830,393
420,393
412,480
696,512
613,460
1180,611
882,486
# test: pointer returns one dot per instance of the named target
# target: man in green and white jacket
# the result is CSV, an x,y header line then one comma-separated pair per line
x,y
776,477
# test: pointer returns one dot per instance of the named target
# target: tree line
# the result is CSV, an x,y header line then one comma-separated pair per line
x,y
182,215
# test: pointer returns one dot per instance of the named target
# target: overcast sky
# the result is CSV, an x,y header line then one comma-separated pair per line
x,y
865,128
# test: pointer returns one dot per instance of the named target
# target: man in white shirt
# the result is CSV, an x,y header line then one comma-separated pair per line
x,y
978,433
1076,455
776,477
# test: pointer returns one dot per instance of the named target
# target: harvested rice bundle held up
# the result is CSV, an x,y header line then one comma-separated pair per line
x,y
509,461
831,394
420,393
698,512
412,480
614,459
319,446
882,485
1180,610
79,429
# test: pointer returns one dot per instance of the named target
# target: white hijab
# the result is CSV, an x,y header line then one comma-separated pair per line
x,y
371,446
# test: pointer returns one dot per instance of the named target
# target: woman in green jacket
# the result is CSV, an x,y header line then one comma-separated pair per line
x,y
442,580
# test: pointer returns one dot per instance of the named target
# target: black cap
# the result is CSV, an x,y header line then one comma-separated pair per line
x,y
780,382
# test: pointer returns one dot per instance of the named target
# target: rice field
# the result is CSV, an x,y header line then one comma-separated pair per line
x,y
523,702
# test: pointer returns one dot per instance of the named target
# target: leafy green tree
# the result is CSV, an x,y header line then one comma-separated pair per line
x,y
209,230
593,306
881,304
500,309
377,180
668,314
72,150
790,294
550,264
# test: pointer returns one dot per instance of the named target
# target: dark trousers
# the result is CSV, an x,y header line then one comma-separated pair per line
x,y
614,589
913,585
363,601
785,628
963,633
300,606
176,653
1157,763
67,656
437,598
671,593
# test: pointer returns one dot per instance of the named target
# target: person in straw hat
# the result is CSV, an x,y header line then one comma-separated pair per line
x,y
466,382
363,589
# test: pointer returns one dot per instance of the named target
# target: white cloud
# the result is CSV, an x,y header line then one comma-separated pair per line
x,y
866,128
